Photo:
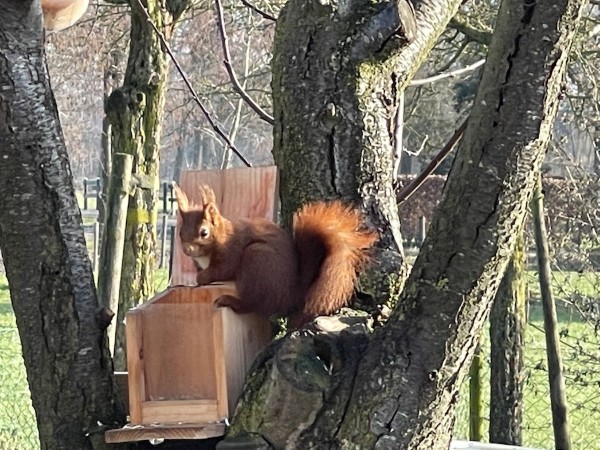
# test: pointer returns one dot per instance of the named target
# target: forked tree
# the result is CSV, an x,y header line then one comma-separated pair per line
x,y
338,69
335,84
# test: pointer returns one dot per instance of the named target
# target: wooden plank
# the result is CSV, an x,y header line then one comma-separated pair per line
x,y
240,193
131,433
160,297
135,365
189,294
179,411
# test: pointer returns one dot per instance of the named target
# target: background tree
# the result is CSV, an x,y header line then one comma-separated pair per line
x,y
135,114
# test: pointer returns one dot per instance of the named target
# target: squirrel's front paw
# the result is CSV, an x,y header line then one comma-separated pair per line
x,y
236,304
222,302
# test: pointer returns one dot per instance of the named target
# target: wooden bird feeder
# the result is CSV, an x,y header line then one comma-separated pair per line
x,y
186,359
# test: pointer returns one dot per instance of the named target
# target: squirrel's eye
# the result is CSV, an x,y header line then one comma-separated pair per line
x,y
203,232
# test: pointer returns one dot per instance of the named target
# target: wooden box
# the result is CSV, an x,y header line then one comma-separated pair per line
x,y
186,359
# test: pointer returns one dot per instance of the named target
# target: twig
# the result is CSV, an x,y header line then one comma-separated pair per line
x,y
187,82
257,10
453,73
232,76
406,192
398,132
238,109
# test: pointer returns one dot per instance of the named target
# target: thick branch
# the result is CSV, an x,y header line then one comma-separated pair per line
x,y
461,23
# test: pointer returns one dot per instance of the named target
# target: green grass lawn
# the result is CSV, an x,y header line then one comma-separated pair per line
x,y
580,348
17,420
581,357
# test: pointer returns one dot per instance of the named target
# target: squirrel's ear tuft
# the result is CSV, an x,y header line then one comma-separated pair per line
x,y
212,214
207,195
182,199
209,205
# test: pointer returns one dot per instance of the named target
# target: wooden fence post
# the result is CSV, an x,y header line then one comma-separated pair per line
x,y
96,244
85,194
171,250
165,190
422,229
475,404
113,237
163,240
558,398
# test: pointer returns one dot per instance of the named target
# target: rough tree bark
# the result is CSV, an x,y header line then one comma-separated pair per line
x,y
337,141
41,236
397,389
135,113
348,63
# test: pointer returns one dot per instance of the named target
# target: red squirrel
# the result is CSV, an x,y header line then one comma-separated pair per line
x,y
301,277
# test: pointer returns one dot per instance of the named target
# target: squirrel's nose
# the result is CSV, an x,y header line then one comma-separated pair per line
x,y
190,249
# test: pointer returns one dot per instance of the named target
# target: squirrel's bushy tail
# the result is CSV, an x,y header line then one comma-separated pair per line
x,y
332,243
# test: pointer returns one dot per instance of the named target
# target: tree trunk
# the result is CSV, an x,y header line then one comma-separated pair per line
x,y
507,376
398,390
348,66
135,112
336,142
41,236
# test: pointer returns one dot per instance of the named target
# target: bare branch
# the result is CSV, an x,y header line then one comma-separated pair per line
x,y
457,54
232,76
257,10
187,82
435,162
453,73
398,132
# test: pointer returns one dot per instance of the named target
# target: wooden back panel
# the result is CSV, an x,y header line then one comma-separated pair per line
x,y
240,193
